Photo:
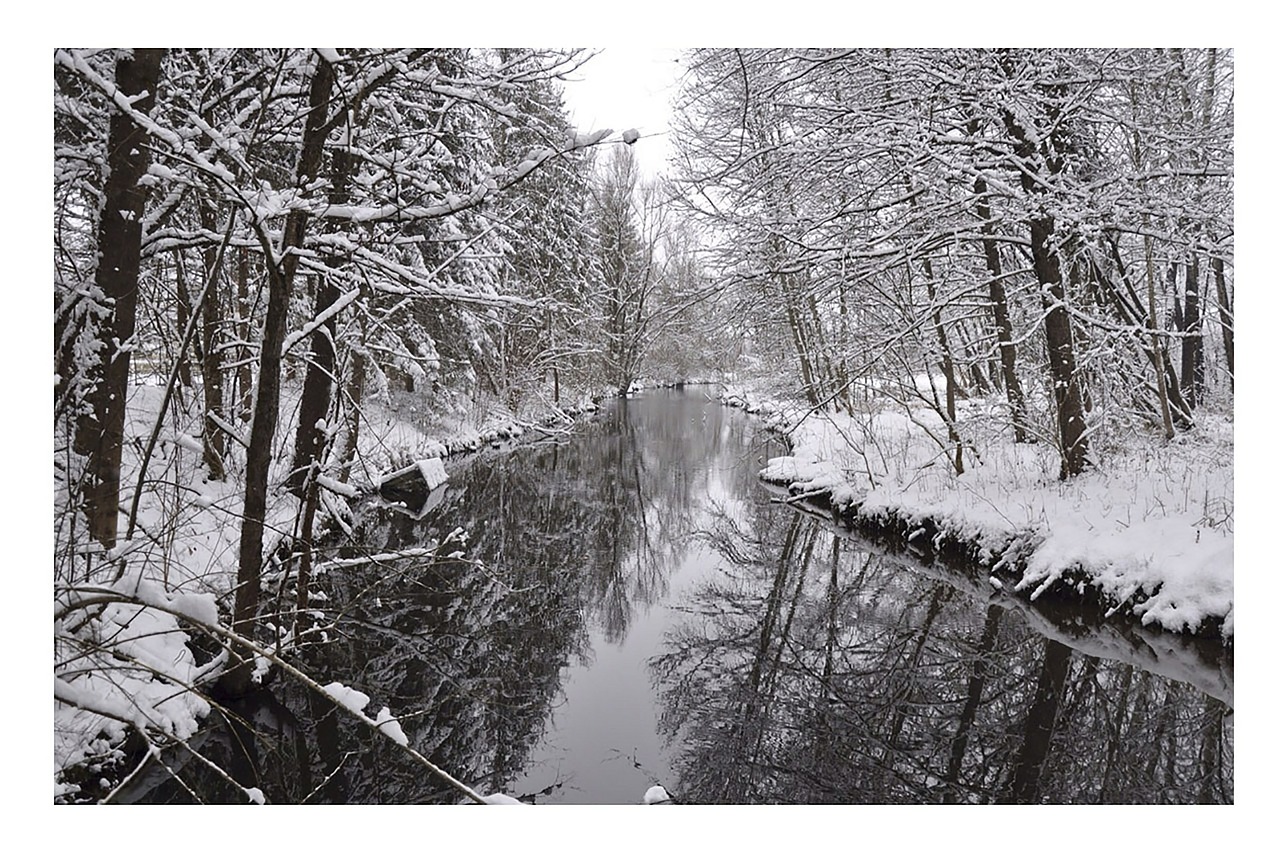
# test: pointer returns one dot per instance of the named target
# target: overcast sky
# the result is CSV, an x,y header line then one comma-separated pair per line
x,y
627,87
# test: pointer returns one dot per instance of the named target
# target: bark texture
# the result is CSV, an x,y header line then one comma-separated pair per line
x,y
100,432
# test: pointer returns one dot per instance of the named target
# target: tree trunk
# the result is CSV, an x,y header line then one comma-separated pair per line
x,y
948,369
1079,335
1074,444
215,440
1117,729
1000,311
982,384
100,434
905,698
973,699
1192,340
316,392
1037,734
244,320
1062,360
1226,315
311,499
355,395
267,406
944,350
1211,785
317,387
799,339
184,316
1162,368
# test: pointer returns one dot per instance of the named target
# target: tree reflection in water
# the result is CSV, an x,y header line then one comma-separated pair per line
x,y
813,672
561,545
787,663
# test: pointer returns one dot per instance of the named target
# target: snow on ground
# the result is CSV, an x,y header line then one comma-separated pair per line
x,y
395,437
1152,522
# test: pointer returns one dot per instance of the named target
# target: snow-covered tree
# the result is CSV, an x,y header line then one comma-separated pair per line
x,y
278,218
988,214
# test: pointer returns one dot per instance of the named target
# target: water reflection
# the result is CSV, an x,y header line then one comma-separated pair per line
x,y
627,606
813,672
553,554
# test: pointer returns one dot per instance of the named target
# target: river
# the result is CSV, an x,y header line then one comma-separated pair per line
x,y
628,605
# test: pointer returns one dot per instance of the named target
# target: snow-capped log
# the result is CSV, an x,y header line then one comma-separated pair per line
x,y
412,485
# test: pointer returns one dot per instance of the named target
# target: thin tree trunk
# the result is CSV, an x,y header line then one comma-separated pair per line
x,y
302,590
1000,313
188,334
100,434
244,315
1117,732
910,671
1209,93
948,363
317,387
1037,735
981,383
1226,315
215,440
822,350
948,368
267,407
1081,336
973,698
846,385
1161,382
183,315
316,392
355,396
799,339
258,457
833,611
1192,339
1159,738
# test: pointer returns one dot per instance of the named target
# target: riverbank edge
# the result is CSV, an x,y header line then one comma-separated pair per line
x,y
494,435
1002,562
459,446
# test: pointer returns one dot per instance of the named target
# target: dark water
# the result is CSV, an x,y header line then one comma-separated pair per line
x,y
630,607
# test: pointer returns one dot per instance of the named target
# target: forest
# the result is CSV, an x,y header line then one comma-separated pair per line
x,y
949,278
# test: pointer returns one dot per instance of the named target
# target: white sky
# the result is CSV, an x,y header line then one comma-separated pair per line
x,y
623,88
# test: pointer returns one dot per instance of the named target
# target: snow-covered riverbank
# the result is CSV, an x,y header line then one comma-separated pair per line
x,y
131,666
1148,533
